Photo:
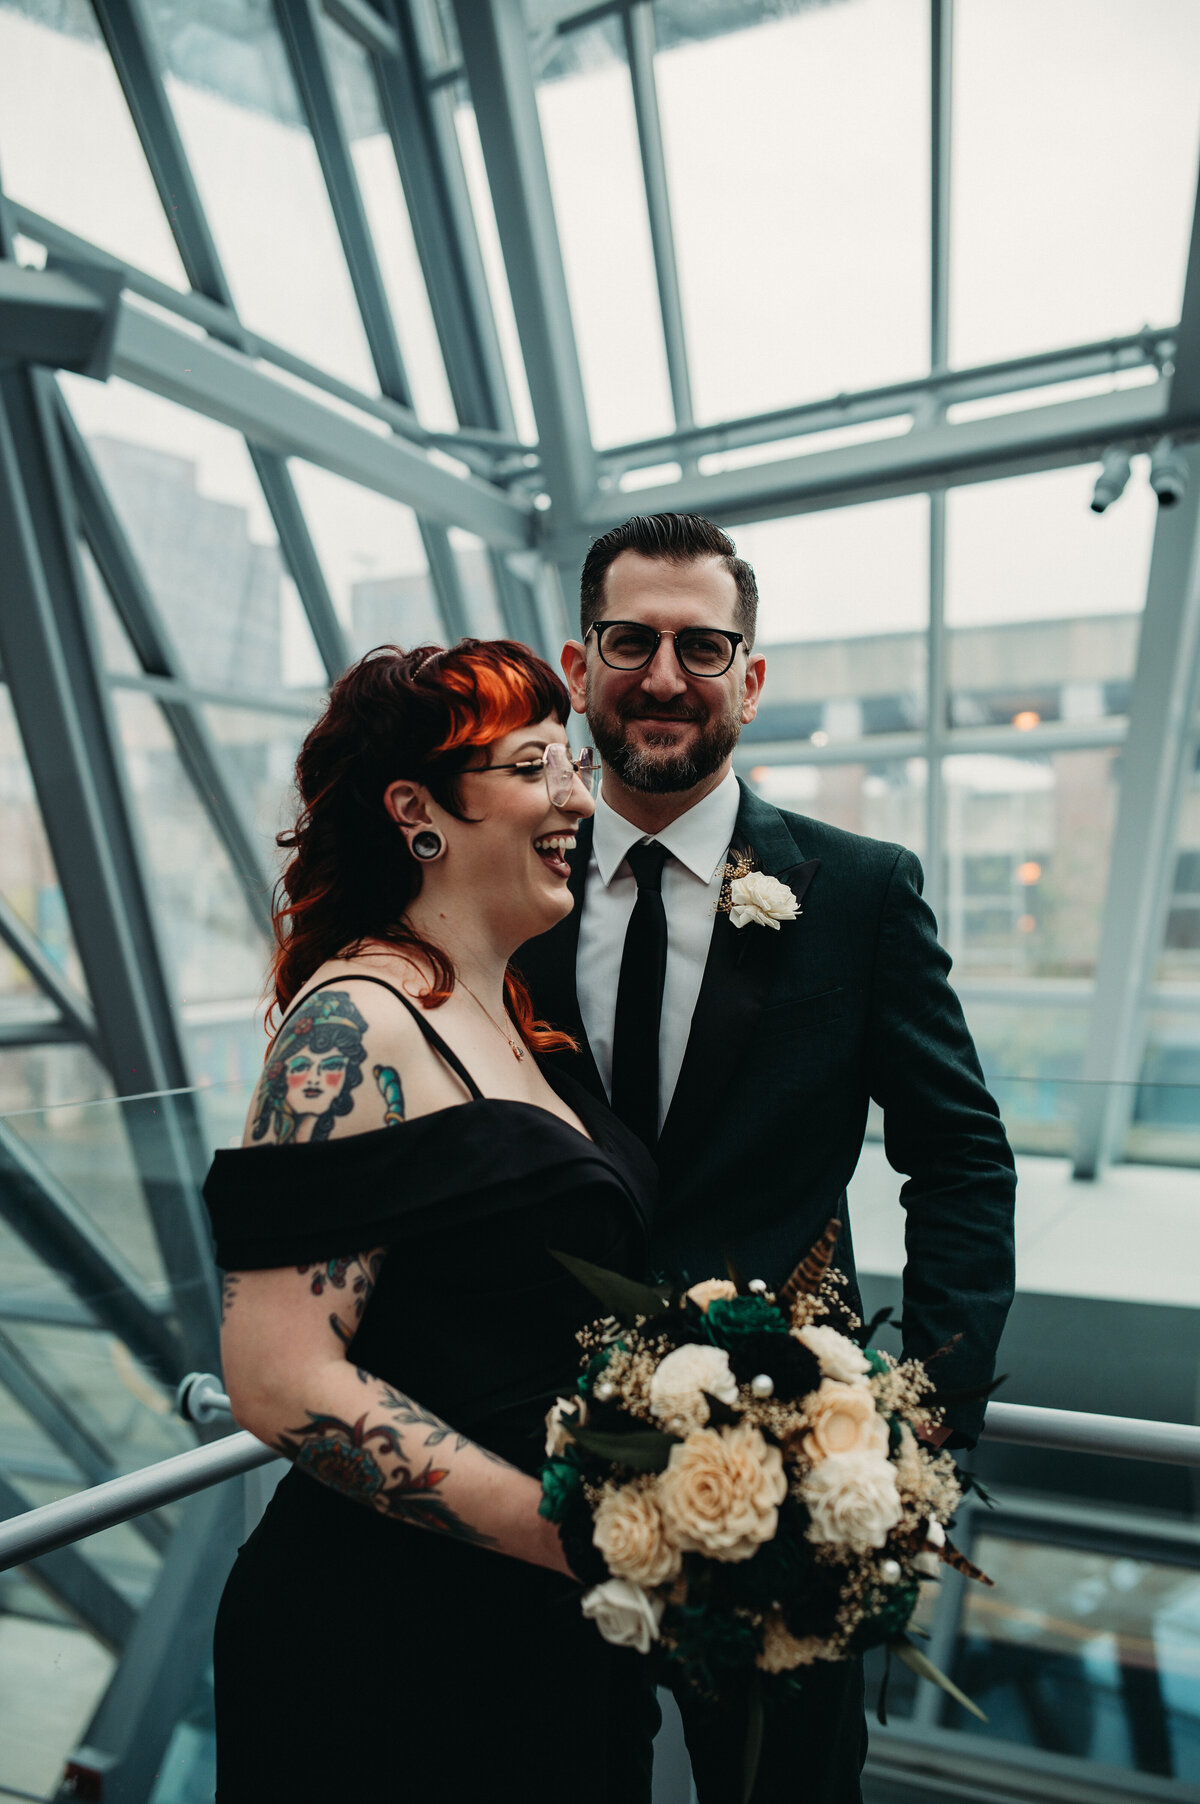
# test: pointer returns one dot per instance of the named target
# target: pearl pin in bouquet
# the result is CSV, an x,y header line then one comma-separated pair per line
x,y
740,1483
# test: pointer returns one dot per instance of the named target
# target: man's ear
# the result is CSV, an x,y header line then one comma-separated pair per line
x,y
407,803
756,671
574,664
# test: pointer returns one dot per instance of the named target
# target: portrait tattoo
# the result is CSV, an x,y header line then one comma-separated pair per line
x,y
313,1066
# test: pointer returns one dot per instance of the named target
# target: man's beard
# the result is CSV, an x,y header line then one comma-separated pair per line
x,y
657,768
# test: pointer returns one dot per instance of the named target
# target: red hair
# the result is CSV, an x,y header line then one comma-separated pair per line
x,y
350,877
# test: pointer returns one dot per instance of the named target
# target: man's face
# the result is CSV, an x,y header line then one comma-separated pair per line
x,y
660,729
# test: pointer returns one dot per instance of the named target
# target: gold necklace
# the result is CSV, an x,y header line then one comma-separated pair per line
x,y
514,1046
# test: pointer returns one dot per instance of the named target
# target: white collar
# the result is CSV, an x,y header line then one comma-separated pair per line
x,y
699,838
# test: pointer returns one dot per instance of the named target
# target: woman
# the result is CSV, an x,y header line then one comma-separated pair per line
x,y
403,1623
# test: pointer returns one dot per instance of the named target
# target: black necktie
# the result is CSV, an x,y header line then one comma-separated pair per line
x,y
639,998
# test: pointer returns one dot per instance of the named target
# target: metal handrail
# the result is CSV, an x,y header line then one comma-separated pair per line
x,y
201,1399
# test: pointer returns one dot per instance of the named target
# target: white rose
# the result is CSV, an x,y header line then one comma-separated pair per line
x,y
624,1613
563,1409
929,1561
761,899
853,1500
676,1387
837,1357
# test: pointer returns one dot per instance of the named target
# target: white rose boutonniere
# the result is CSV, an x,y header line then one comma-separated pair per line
x,y
749,896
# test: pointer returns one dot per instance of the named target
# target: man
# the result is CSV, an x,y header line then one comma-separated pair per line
x,y
746,1055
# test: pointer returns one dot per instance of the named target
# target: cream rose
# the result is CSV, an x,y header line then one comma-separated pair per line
x,y
781,1652
852,1499
761,899
562,1410
842,1418
721,1491
632,1538
837,1357
676,1388
624,1613
710,1290
928,1561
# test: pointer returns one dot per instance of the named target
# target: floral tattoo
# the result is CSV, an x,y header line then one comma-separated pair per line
x,y
358,1271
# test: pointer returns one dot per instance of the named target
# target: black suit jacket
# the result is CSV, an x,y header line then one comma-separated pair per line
x,y
794,1032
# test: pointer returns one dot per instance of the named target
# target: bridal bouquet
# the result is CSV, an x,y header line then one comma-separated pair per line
x,y
739,1480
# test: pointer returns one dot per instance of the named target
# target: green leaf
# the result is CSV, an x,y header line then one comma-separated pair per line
x,y
622,1297
643,1449
924,1668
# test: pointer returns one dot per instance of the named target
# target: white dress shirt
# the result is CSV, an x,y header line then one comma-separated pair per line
x,y
698,843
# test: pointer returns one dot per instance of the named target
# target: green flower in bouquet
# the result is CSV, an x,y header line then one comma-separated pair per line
x,y
729,1319
593,1369
887,1609
779,1570
711,1644
561,1480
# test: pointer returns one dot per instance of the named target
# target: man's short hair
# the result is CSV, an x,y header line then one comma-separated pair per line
x,y
679,539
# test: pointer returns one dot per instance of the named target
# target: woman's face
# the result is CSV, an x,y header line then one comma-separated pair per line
x,y
512,850
314,1080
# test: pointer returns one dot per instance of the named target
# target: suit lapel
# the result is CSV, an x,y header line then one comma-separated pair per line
x,y
738,975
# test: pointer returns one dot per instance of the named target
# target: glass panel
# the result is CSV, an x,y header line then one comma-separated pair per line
x,y
189,500
1028,840
53,1675
885,800
68,148
260,750
256,167
1179,960
479,588
1032,1057
800,202
843,613
475,171
1095,1655
1044,598
115,649
374,561
1166,1114
1066,226
585,103
28,879
214,950
387,213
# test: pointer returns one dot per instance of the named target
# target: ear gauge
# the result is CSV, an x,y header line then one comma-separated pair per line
x,y
427,845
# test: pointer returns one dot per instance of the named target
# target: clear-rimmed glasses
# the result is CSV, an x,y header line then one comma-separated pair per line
x,y
559,769
703,651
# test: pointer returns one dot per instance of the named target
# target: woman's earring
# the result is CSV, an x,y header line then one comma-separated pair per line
x,y
427,845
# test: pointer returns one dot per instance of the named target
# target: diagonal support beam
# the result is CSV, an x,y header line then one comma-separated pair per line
x,y
75,1009
75,1582
55,1228
1185,382
496,55
1156,746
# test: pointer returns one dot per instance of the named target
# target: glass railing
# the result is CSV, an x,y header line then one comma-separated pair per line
x,y
105,1274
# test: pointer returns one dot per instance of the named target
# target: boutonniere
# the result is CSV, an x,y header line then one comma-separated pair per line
x,y
749,895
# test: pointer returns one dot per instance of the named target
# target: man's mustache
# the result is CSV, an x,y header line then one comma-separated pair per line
x,y
659,712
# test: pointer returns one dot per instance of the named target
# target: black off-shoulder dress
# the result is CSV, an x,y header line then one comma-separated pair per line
x,y
359,1657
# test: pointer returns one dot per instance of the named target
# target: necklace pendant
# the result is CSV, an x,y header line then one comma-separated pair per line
x,y
518,1052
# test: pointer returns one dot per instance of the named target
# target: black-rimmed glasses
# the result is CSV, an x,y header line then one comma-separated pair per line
x,y
558,767
703,651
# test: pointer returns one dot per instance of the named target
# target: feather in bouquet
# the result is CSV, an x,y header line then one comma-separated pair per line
x,y
740,1483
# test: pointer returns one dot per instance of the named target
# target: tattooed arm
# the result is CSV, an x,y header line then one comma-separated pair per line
x,y
283,1349
285,1332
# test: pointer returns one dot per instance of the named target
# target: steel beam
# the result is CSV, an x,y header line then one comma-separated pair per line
x,y
165,1651
361,20
50,317
151,640
75,1009
51,658
300,28
941,93
1158,740
425,142
496,55
53,1226
1039,438
73,1581
223,385
638,24
1185,382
